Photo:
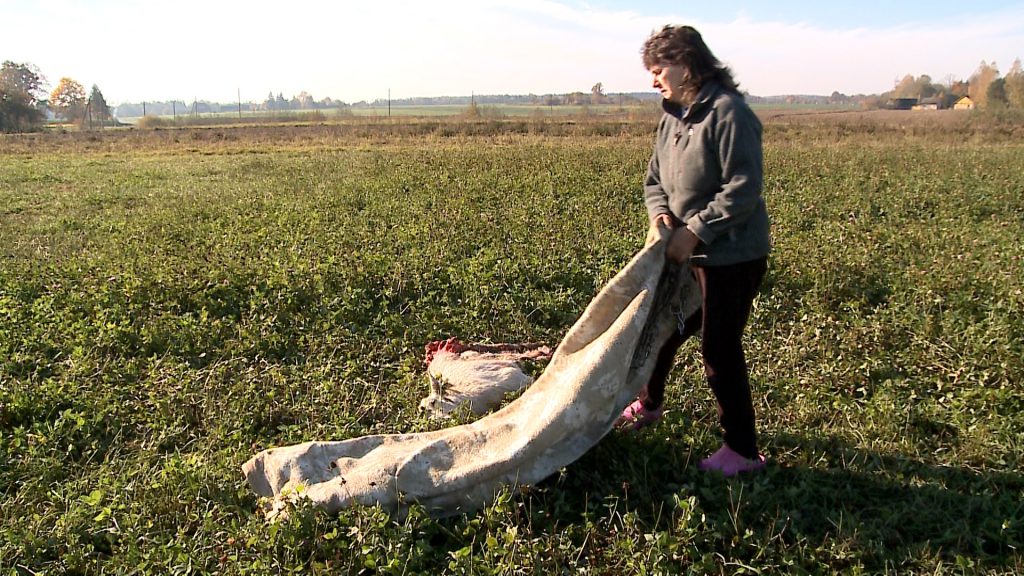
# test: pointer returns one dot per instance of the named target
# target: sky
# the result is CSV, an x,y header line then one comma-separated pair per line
x,y
213,50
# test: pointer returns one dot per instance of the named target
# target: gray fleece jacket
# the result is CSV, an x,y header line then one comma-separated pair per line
x,y
707,171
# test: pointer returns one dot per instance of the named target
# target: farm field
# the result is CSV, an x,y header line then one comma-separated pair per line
x,y
408,112
411,112
173,301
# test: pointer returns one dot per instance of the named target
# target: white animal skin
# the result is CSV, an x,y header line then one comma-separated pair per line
x,y
477,376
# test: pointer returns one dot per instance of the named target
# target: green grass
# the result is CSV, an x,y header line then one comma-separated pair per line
x,y
170,303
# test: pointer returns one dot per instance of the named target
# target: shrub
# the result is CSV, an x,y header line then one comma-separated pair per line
x,y
152,122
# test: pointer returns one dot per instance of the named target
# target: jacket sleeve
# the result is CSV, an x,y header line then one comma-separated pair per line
x,y
738,146
655,196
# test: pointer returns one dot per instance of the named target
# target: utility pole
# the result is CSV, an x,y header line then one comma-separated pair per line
x,y
239,103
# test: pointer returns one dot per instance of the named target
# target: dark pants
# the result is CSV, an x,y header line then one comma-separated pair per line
x,y
727,296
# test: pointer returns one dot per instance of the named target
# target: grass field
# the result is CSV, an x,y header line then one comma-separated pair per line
x,y
407,112
173,301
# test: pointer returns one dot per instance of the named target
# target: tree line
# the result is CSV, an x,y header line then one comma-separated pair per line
x,y
24,103
596,96
985,87
305,101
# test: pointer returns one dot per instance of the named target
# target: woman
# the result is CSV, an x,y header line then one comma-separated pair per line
x,y
704,183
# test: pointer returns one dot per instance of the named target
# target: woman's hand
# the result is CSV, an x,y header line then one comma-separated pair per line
x,y
661,226
662,219
681,245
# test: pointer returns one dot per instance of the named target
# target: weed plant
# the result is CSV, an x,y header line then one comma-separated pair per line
x,y
173,301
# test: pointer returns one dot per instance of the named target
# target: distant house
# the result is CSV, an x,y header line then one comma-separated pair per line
x,y
928,104
901,103
964,103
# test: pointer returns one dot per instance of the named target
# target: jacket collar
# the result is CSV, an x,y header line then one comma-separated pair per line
x,y
704,98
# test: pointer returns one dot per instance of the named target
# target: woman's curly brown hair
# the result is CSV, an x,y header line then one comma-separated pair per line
x,y
684,46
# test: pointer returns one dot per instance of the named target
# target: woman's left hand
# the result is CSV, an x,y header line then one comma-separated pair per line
x,y
681,245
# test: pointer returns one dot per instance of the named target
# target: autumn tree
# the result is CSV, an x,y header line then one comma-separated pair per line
x,y
597,94
1014,85
21,86
920,87
68,100
959,88
904,88
979,82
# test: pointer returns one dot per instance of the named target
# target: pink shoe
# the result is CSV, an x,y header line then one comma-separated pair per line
x,y
730,463
637,416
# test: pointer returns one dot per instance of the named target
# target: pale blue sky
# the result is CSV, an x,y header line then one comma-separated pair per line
x,y
841,14
138,50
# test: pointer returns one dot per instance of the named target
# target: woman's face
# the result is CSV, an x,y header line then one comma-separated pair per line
x,y
668,79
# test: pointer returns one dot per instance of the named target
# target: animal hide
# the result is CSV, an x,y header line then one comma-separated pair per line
x,y
475,375
603,361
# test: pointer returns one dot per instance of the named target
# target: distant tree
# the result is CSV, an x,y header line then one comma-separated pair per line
x,y
472,111
872,102
838,97
904,88
68,100
959,88
946,98
979,82
575,98
995,95
1014,82
21,106
98,106
920,87
23,78
597,93
924,88
16,115
304,100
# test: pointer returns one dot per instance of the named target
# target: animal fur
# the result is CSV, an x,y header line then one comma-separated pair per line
x,y
476,375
